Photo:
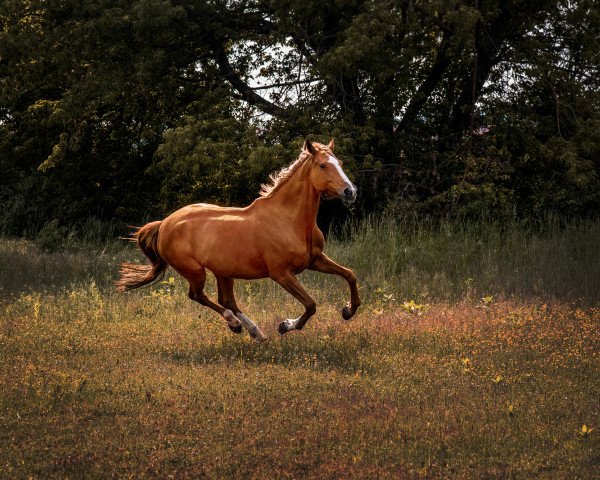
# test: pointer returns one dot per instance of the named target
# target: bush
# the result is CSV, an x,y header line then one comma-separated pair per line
x,y
52,237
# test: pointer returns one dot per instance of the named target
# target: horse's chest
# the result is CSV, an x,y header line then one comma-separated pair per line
x,y
293,250
304,256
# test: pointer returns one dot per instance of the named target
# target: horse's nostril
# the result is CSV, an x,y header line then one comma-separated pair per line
x,y
348,192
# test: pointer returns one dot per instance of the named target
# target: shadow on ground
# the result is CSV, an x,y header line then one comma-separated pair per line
x,y
345,353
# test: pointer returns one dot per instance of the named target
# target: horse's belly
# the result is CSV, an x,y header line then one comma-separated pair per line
x,y
245,268
231,255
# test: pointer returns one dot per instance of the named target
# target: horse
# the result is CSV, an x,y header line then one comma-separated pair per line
x,y
275,237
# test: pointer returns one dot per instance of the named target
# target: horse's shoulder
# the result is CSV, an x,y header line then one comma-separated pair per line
x,y
318,237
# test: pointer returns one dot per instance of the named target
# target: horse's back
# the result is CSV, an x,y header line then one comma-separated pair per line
x,y
199,213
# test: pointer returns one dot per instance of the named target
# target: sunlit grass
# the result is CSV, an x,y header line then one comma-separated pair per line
x,y
147,385
473,381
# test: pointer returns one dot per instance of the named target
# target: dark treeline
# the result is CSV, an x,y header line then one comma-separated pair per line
x,y
126,109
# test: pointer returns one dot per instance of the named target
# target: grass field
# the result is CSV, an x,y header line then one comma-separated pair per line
x,y
475,355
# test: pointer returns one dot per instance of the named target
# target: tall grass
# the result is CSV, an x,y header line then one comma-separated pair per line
x,y
405,257
452,259
26,268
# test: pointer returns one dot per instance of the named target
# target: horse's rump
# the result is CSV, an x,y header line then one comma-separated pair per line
x,y
134,275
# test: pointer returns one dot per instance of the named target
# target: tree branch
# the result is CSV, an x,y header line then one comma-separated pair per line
x,y
286,84
241,86
424,91
509,24
303,48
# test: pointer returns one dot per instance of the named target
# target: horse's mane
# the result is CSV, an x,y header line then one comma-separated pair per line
x,y
278,179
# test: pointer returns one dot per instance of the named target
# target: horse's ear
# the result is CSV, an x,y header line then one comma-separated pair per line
x,y
331,145
309,146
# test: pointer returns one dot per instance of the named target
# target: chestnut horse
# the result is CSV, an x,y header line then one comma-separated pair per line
x,y
276,236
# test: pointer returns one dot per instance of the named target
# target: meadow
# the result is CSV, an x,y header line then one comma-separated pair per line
x,y
475,354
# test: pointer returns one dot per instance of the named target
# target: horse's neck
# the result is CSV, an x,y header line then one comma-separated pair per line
x,y
298,200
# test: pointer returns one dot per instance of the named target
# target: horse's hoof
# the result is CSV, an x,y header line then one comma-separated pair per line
x,y
259,336
285,326
236,328
347,313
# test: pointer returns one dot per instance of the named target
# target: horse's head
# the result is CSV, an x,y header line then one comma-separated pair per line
x,y
327,175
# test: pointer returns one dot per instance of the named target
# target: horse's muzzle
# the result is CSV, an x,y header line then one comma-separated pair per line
x,y
348,196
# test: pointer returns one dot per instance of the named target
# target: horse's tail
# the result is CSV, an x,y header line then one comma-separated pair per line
x,y
133,275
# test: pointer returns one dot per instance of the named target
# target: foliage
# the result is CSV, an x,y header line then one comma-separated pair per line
x,y
127,109
212,156
51,237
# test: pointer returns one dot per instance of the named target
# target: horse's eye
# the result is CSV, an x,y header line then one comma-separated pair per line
x,y
322,166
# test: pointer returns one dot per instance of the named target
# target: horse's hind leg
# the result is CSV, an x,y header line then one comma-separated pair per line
x,y
237,328
227,299
197,279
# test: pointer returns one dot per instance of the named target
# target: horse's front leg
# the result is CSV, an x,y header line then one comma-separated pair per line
x,y
288,281
324,264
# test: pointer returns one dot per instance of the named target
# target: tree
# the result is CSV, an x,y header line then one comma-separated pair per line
x,y
126,109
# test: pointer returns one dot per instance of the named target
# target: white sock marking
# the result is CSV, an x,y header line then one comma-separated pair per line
x,y
251,327
291,323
